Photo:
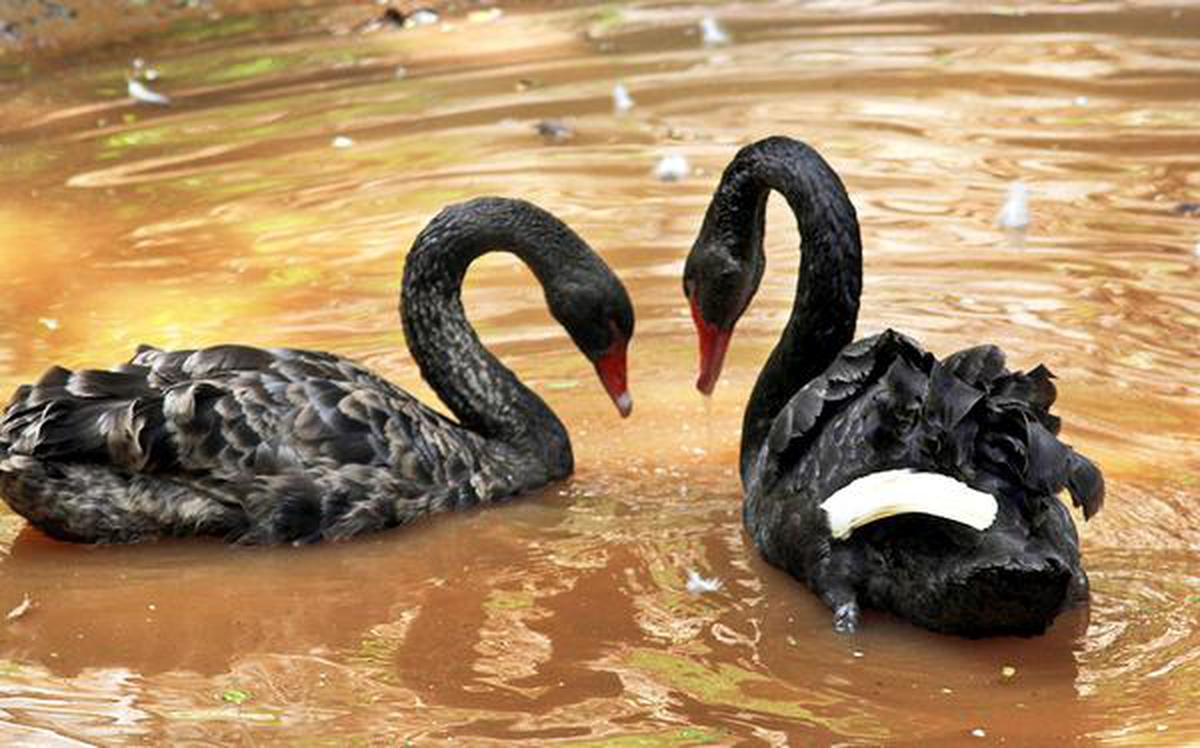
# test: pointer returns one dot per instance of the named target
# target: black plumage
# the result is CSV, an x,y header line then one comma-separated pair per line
x,y
281,445
826,411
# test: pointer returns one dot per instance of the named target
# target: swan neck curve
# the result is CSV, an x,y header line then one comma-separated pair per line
x,y
485,396
825,309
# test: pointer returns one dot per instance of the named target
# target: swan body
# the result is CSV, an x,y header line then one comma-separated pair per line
x,y
280,445
874,472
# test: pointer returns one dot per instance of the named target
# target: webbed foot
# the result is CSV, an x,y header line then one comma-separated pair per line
x,y
845,618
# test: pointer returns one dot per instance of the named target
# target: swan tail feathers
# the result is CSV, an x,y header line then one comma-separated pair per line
x,y
987,420
1033,392
977,366
1085,482
893,492
113,417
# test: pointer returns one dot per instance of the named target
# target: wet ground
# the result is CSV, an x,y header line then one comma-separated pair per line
x,y
232,216
43,30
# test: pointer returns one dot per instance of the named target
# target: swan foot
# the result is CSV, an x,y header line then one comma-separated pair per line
x,y
845,618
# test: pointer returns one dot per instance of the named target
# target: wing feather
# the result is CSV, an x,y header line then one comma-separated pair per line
x,y
884,403
229,410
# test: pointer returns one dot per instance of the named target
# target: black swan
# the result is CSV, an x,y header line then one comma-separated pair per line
x,y
848,448
280,445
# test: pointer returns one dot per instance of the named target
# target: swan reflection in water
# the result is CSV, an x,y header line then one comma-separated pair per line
x,y
496,628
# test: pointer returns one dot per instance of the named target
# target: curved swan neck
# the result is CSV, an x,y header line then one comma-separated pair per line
x,y
830,281
485,395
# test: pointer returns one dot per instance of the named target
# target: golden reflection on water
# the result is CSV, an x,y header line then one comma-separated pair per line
x,y
231,217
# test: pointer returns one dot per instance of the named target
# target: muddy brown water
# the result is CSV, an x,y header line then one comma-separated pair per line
x,y
563,617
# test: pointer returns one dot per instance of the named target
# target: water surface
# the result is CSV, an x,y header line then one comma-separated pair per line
x,y
231,216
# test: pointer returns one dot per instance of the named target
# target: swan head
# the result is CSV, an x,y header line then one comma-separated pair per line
x,y
719,282
597,314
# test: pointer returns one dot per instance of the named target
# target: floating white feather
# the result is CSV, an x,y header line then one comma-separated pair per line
x,y
711,32
421,17
891,492
140,92
622,101
672,168
1015,213
698,585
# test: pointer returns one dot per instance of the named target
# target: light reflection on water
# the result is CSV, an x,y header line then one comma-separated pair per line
x,y
564,616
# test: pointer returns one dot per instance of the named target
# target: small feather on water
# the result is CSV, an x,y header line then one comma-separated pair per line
x,y
555,130
341,141
711,32
672,168
698,585
622,101
21,609
1015,213
421,17
140,92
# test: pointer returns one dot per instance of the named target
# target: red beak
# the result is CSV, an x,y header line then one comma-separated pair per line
x,y
713,344
611,369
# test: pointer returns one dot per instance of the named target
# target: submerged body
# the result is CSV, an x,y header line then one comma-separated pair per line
x,y
827,416
281,445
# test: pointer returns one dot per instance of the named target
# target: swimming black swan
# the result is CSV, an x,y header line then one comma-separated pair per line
x,y
848,448
279,445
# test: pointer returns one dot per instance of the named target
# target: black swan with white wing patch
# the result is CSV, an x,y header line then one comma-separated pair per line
x,y
875,473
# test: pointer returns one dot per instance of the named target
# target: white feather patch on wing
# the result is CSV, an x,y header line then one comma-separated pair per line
x,y
891,492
